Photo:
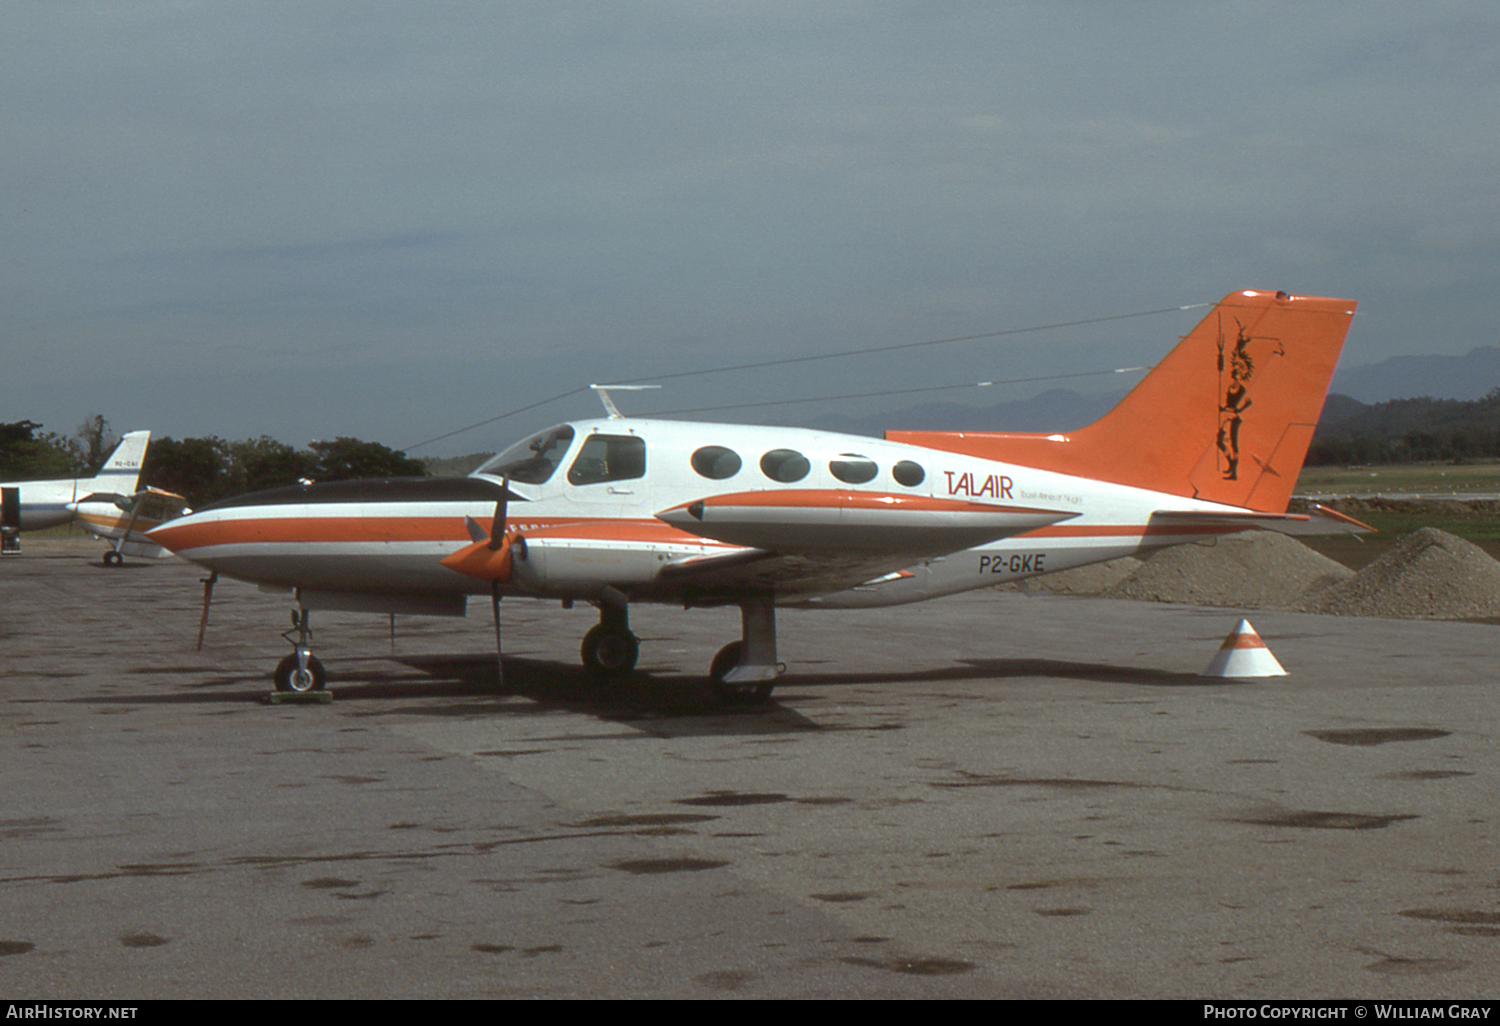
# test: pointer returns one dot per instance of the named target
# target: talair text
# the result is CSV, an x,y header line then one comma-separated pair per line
x,y
996,486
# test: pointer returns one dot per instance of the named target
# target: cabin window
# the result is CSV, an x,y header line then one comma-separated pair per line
x,y
853,469
716,462
908,473
608,458
784,465
531,461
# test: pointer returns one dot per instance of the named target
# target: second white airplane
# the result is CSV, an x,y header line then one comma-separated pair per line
x,y
619,510
106,505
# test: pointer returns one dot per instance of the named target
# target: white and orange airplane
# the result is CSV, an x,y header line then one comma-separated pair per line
x,y
620,510
106,505
123,519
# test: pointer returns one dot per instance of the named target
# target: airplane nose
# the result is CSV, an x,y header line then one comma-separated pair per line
x,y
177,535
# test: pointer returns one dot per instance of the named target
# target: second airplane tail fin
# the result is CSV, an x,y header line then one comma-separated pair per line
x,y
1226,416
123,468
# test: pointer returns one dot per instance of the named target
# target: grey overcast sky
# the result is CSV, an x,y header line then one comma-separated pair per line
x,y
309,218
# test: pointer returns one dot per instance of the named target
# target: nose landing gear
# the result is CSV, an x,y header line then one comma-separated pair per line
x,y
301,674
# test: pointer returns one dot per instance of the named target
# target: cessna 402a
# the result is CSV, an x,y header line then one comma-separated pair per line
x,y
622,510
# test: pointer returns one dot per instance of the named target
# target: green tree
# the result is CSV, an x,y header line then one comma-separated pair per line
x,y
95,441
346,458
195,468
26,455
260,463
205,470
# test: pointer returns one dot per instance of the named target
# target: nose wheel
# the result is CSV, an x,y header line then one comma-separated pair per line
x,y
300,674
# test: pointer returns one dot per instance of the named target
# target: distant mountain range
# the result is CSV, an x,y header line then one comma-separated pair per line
x,y
1467,377
1470,376
1055,410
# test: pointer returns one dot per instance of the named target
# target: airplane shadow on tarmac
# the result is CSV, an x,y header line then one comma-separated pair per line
x,y
1005,670
467,686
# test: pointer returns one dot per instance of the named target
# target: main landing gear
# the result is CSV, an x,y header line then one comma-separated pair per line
x,y
301,672
744,672
609,649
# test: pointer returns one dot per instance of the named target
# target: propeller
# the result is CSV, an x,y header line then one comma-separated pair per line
x,y
491,557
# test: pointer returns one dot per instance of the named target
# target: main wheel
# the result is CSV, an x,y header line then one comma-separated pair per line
x,y
113,558
290,677
747,693
610,653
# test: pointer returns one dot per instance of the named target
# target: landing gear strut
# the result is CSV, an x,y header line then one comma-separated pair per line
x,y
301,672
745,671
609,649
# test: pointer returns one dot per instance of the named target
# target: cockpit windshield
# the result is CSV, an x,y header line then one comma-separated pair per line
x,y
531,461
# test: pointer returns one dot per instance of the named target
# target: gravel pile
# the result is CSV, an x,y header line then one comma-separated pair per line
x,y
1094,579
1428,575
1254,570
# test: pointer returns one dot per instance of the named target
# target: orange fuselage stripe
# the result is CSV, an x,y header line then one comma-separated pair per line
x,y
259,530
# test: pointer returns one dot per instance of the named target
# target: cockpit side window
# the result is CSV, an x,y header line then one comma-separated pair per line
x,y
609,458
534,460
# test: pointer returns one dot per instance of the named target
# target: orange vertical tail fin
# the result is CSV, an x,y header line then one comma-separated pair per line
x,y
1226,416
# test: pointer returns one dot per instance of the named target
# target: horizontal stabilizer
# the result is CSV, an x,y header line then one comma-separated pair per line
x,y
1321,521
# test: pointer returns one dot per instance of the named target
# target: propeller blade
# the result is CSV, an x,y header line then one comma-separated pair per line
x,y
476,533
499,654
502,509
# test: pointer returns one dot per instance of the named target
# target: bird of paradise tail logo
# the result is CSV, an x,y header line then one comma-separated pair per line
x,y
1236,372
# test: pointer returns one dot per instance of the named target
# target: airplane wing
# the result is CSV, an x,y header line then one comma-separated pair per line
x,y
718,565
726,577
150,503
816,541
803,574
843,523
786,542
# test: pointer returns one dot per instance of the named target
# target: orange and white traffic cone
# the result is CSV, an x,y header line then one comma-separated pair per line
x,y
1243,654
